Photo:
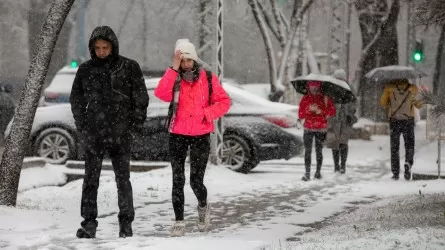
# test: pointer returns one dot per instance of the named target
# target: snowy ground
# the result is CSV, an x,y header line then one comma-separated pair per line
x,y
262,210
406,222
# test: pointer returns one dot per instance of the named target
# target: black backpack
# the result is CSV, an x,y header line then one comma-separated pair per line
x,y
173,106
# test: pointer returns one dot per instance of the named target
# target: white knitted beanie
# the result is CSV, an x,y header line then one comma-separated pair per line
x,y
187,48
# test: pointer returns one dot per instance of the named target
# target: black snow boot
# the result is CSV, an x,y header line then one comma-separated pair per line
x,y
407,174
395,177
306,176
125,229
336,156
88,230
317,173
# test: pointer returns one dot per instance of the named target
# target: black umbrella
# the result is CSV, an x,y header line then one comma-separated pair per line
x,y
339,91
394,72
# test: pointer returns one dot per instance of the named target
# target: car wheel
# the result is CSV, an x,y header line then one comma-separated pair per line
x,y
56,145
237,154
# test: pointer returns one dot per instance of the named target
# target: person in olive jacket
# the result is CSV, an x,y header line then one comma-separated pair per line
x,y
399,98
109,102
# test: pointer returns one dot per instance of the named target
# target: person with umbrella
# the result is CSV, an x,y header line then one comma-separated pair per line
x,y
315,108
399,100
340,126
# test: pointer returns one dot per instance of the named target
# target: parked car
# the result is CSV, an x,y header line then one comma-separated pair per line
x,y
248,137
60,88
7,106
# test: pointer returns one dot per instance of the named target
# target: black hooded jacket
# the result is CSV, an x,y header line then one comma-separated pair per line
x,y
108,97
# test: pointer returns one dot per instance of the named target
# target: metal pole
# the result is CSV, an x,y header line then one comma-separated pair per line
x,y
217,143
438,154
348,38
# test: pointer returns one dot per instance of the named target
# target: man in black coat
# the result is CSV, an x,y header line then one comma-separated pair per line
x,y
109,102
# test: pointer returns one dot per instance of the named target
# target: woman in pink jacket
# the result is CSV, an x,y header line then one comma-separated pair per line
x,y
191,117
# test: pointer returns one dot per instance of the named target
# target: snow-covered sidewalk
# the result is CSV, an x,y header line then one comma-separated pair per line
x,y
268,206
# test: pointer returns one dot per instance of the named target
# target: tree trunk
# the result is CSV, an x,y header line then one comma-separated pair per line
x,y
439,55
383,52
388,45
371,55
14,153
36,17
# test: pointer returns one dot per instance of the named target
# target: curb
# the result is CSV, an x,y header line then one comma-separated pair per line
x,y
426,177
135,166
33,162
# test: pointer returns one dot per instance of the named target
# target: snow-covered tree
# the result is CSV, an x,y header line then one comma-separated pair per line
x,y
272,22
14,153
378,24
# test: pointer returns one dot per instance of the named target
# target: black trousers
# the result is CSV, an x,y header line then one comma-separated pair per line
x,y
308,138
199,155
405,128
120,157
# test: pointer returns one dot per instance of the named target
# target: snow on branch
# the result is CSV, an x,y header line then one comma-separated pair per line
x,y
267,42
268,21
280,25
298,17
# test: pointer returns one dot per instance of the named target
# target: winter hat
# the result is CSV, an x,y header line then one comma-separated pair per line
x,y
340,74
187,48
314,84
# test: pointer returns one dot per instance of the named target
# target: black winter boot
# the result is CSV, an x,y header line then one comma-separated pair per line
x,y
318,172
125,229
407,174
336,156
306,176
88,230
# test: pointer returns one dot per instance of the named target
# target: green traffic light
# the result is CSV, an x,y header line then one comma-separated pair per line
x,y
417,57
73,64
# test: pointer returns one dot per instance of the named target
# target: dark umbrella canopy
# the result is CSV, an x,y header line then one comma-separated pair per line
x,y
394,72
339,91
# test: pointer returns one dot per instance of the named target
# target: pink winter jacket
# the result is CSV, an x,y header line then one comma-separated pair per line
x,y
194,116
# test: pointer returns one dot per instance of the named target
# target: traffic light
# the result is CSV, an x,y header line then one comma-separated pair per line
x,y
74,64
418,55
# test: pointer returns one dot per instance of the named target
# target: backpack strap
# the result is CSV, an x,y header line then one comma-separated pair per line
x,y
209,81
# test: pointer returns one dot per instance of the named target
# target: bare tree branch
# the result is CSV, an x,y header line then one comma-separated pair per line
x,y
268,21
285,22
267,42
298,17
280,25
